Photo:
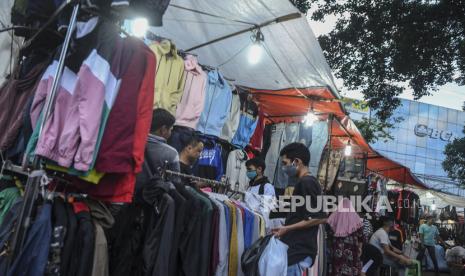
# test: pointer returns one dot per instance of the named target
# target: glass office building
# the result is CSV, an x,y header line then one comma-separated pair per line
x,y
420,139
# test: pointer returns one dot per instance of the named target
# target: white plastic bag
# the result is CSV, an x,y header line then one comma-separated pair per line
x,y
273,261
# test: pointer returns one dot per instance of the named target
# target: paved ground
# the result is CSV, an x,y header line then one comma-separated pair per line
x,y
432,274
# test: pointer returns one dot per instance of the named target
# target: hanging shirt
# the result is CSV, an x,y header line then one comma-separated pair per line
x,y
169,78
247,123
193,99
217,105
256,141
210,164
232,123
236,171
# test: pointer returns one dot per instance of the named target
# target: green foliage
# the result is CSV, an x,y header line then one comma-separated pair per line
x,y
381,47
302,5
374,129
454,164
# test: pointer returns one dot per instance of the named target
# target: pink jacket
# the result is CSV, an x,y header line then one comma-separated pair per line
x,y
71,132
192,102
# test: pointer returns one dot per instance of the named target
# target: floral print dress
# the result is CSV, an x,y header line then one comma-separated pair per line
x,y
345,254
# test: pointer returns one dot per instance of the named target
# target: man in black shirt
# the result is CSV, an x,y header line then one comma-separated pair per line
x,y
190,154
301,227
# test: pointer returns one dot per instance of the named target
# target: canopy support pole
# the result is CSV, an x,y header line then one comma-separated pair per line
x,y
280,19
330,132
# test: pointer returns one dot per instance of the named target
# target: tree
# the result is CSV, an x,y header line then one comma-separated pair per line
x,y
454,164
302,5
382,47
374,129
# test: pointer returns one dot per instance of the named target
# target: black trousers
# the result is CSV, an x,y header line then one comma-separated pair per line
x,y
432,254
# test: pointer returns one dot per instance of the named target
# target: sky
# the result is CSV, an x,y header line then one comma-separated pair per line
x,y
449,95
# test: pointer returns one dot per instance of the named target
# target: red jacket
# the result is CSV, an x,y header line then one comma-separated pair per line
x,y
116,150
120,187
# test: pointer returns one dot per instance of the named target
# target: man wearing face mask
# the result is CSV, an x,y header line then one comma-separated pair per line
x,y
301,227
259,184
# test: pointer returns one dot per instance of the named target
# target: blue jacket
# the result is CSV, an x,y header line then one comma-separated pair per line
x,y
247,125
217,105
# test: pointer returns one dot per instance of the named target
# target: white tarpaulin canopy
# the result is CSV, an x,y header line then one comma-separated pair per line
x,y
292,56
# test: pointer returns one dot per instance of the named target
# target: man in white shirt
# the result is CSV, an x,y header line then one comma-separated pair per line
x,y
392,257
259,184
455,258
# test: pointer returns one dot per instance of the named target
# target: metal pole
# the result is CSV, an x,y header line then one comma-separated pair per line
x,y
330,132
33,182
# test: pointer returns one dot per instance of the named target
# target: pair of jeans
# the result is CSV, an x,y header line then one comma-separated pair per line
x,y
432,253
401,269
298,268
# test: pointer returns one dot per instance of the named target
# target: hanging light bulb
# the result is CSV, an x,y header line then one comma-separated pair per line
x,y
310,119
139,27
256,49
348,150
433,206
255,53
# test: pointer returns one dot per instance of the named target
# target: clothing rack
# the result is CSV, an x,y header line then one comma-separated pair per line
x,y
164,172
33,182
214,183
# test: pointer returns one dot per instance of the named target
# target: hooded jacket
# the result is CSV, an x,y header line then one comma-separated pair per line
x,y
217,105
169,79
193,99
247,123
236,171
117,187
14,95
232,123
85,96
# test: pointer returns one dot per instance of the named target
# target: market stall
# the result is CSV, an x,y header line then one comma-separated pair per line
x,y
246,77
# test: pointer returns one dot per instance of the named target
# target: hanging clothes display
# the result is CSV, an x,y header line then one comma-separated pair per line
x,y
281,179
256,141
319,139
234,116
170,78
210,163
8,196
247,122
347,230
14,95
276,143
36,248
71,133
236,171
329,169
193,98
217,105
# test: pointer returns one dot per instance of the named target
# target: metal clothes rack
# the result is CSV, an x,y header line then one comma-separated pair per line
x,y
34,175
214,183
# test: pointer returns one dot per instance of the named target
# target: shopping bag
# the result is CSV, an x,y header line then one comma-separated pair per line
x,y
251,257
273,261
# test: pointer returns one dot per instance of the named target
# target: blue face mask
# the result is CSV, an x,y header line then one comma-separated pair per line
x,y
251,174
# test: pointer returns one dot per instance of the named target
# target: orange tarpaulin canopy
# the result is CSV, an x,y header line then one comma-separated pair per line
x,y
291,105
